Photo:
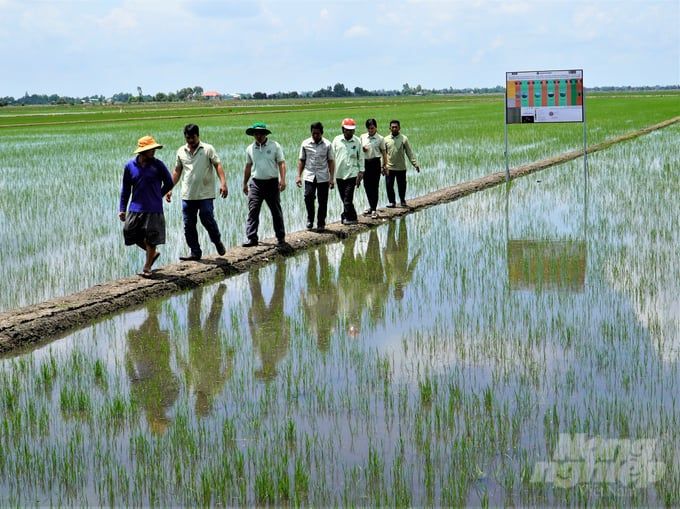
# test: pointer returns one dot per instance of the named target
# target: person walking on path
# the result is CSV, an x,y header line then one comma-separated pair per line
x,y
145,181
375,160
316,165
398,148
267,167
194,165
348,168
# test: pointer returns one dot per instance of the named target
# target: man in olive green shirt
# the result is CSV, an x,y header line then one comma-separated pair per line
x,y
194,164
348,168
397,148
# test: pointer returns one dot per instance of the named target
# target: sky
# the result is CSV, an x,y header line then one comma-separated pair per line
x,y
80,48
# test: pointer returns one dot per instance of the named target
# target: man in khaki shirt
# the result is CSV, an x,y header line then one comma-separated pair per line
x,y
397,148
194,165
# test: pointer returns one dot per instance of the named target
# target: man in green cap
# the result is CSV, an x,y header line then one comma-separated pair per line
x,y
267,167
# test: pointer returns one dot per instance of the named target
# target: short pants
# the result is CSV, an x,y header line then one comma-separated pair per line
x,y
144,228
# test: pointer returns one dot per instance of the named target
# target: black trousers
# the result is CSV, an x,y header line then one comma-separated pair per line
x,y
372,181
259,191
400,176
346,190
311,191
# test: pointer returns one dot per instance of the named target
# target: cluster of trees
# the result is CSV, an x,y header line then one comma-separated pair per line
x,y
181,95
340,90
337,90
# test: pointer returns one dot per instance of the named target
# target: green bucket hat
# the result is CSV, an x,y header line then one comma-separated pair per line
x,y
257,127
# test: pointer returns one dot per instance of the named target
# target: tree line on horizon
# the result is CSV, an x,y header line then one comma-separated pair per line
x,y
338,90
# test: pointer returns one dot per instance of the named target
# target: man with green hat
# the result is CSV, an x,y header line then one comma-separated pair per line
x,y
267,167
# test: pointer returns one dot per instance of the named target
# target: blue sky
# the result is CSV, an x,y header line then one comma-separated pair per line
x,y
87,47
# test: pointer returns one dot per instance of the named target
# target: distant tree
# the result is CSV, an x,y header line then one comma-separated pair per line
x,y
339,90
140,94
406,89
198,93
185,93
121,97
259,95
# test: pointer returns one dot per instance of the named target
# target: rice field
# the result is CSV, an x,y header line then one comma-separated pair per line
x,y
480,353
61,178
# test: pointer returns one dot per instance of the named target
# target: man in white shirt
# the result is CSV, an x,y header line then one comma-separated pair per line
x,y
267,167
316,165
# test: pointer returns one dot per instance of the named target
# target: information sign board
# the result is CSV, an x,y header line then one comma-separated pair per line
x,y
544,96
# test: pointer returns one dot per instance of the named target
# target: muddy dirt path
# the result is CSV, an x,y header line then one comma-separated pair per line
x,y
41,322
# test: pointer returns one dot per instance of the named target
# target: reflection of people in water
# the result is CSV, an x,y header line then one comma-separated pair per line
x,y
351,288
397,266
361,284
320,303
147,362
207,370
269,326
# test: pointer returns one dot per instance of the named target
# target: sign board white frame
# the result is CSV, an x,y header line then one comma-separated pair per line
x,y
544,96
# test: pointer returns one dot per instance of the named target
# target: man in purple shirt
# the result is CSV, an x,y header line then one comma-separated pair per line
x,y
145,181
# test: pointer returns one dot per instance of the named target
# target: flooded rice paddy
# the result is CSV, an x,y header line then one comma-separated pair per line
x,y
447,358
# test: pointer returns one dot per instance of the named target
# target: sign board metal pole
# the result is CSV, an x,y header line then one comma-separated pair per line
x,y
507,162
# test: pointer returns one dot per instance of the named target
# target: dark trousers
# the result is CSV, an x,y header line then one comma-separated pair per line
x,y
205,211
372,181
346,191
400,176
259,191
311,191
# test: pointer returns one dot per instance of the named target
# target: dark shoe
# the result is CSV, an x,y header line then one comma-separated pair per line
x,y
250,243
221,250
368,211
321,226
391,205
403,204
191,258
310,226
281,242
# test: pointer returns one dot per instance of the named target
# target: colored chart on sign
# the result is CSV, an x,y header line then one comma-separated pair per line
x,y
544,96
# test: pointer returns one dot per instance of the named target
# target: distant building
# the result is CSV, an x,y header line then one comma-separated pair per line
x,y
212,94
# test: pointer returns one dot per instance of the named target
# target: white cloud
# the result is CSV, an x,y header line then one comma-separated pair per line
x,y
356,31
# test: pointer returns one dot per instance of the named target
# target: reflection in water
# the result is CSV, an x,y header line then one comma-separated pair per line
x,y
320,303
546,264
206,370
152,382
398,269
269,326
352,288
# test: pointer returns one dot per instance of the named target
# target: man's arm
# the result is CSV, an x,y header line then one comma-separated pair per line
x,y
411,157
298,177
176,175
360,166
125,191
224,191
246,177
331,172
282,175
